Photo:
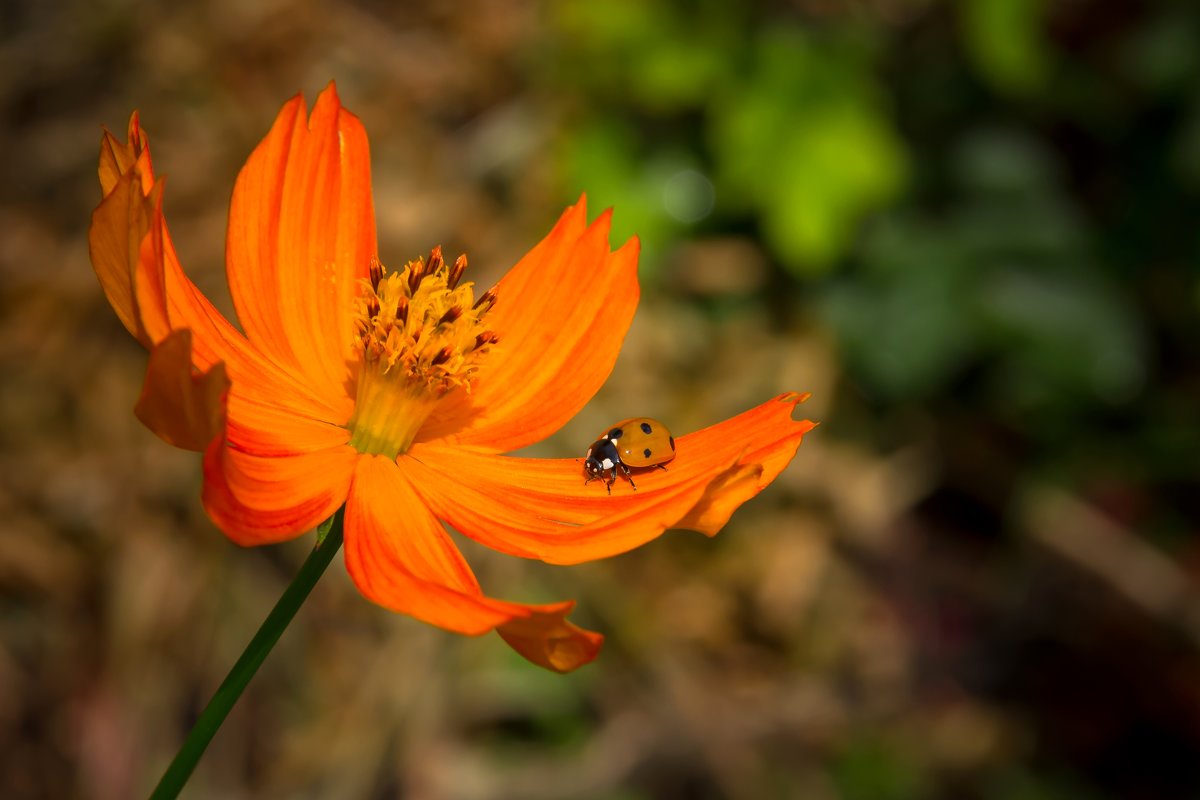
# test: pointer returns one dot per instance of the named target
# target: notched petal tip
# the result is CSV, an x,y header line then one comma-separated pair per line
x,y
755,467
184,407
547,638
329,94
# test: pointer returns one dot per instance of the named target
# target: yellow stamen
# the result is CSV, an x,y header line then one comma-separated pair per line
x,y
420,335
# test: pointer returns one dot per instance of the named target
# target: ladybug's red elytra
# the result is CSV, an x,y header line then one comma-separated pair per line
x,y
638,442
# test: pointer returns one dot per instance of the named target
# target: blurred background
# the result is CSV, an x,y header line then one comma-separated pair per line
x,y
969,228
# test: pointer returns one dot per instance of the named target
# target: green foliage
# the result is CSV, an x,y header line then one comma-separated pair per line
x,y
791,127
1004,38
1007,275
803,142
874,769
654,56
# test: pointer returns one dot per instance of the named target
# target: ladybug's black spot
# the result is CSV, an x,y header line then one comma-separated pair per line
x,y
616,433
647,429
646,453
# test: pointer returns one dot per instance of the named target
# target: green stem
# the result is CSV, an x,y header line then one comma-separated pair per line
x,y
329,541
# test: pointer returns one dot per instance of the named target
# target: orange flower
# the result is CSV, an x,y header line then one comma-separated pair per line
x,y
395,392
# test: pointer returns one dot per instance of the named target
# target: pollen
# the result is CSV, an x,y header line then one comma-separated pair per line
x,y
420,333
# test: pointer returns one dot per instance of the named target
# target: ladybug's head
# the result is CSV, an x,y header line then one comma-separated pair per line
x,y
591,466
601,457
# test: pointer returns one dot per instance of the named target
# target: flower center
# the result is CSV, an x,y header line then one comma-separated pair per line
x,y
421,335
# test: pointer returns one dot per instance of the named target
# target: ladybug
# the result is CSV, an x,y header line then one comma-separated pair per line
x,y
636,442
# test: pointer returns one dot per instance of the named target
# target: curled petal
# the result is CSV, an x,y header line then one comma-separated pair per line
x,y
723,495
541,508
401,557
260,500
125,244
183,407
561,316
547,638
301,238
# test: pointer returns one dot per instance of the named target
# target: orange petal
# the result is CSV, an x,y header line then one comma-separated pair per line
x,y
260,500
547,638
401,557
561,315
137,266
182,406
301,237
541,508
260,426
251,371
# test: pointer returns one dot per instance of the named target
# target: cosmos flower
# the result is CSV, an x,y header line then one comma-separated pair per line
x,y
395,392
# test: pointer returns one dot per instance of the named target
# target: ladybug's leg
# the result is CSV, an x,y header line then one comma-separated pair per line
x,y
662,467
628,476
611,480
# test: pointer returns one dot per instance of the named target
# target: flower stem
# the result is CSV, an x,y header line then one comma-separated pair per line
x,y
329,541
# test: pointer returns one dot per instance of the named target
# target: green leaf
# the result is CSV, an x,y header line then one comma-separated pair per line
x,y
805,143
